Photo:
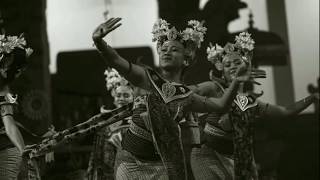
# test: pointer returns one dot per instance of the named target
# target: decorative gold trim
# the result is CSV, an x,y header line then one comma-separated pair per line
x,y
163,96
247,105
140,132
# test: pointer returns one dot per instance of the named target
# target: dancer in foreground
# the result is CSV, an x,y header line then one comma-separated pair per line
x,y
152,146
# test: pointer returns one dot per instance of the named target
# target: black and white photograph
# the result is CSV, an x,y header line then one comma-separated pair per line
x,y
159,90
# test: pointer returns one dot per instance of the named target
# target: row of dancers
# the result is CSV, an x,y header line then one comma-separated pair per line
x,y
158,138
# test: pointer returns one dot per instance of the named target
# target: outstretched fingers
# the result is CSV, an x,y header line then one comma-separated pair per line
x,y
111,21
114,27
114,21
257,73
257,76
109,26
103,29
255,82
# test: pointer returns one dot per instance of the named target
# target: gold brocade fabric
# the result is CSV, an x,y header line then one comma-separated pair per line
x,y
243,139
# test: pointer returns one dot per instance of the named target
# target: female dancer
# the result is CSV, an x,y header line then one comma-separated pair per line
x,y
13,54
231,135
152,145
108,139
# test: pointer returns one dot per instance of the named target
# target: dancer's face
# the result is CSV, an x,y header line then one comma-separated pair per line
x,y
122,96
172,56
230,65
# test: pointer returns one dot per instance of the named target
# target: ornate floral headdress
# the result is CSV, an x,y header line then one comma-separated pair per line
x,y
9,43
191,37
10,68
242,47
114,80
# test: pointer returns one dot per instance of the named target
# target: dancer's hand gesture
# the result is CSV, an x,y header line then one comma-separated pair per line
x,y
105,28
244,73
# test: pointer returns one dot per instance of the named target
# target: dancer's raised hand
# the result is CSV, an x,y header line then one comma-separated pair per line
x,y
105,28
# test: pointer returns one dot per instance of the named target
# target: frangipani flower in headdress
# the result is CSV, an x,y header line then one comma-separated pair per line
x,y
13,56
192,36
9,43
244,41
242,47
114,80
214,55
195,34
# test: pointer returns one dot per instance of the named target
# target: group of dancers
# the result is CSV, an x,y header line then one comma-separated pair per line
x,y
153,134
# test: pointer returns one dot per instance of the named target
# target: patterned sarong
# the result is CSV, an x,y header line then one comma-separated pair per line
x,y
165,108
242,121
208,164
166,134
131,168
10,161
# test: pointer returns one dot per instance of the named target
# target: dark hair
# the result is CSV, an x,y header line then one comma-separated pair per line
x,y
13,64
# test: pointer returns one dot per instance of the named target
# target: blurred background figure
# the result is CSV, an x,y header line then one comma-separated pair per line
x,y
13,60
108,139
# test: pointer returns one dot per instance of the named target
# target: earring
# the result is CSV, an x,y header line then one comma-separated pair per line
x,y
186,62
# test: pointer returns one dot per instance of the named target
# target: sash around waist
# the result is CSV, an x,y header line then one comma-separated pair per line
x,y
139,147
215,131
140,132
218,139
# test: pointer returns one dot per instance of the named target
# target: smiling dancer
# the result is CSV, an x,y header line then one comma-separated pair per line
x,y
108,139
152,145
228,149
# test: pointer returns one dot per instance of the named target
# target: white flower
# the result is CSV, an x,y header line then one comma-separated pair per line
x,y
195,34
194,23
114,79
192,35
245,41
197,37
214,51
215,56
17,42
29,51
160,29
172,34
2,37
202,29
163,24
8,47
9,43
187,34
